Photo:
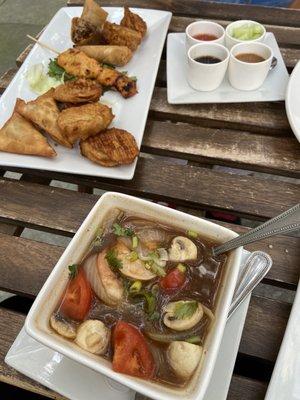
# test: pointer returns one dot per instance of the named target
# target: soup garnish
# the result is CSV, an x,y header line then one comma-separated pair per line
x,y
143,297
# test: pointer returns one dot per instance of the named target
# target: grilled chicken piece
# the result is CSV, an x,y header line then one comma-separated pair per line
x,y
111,147
77,63
134,21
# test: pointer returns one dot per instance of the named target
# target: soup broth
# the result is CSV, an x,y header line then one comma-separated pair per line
x,y
143,297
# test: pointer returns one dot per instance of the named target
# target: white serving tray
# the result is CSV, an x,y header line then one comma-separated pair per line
x,y
78,382
130,114
180,92
292,101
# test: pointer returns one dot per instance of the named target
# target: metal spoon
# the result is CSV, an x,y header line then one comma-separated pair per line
x,y
255,269
288,221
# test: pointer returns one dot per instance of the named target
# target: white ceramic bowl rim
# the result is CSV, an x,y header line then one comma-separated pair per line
x,y
212,45
199,22
248,63
240,22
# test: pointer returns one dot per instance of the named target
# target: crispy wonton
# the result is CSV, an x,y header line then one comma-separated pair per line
x,y
134,21
44,113
84,121
19,136
111,147
121,36
79,91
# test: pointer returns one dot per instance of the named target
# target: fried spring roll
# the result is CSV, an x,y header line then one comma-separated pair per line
x,y
113,55
121,36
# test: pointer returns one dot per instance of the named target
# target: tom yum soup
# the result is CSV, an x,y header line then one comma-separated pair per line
x,y
143,297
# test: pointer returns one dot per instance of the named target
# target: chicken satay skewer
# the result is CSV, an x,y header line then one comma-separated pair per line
x,y
42,44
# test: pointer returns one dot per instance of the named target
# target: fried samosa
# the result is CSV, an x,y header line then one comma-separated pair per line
x,y
110,148
113,55
84,121
93,13
44,113
134,21
78,91
118,35
77,63
83,32
19,136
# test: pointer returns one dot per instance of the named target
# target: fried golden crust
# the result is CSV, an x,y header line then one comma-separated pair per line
x,y
43,112
126,86
83,32
121,36
78,91
19,136
108,77
134,21
113,146
77,63
84,121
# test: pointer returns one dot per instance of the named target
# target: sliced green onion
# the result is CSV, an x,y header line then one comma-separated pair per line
x,y
194,339
181,268
133,256
135,287
135,242
192,234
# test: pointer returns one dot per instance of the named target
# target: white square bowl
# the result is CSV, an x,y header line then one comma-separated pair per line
x,y
37,321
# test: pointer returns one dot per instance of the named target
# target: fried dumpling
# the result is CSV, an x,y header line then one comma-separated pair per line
x,y
118,35
19,136
111,147
84,121
78,91
44,113
134,21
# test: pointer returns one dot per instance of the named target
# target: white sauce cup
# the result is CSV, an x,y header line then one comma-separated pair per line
x,y
231,41
249,76
207,77
204,27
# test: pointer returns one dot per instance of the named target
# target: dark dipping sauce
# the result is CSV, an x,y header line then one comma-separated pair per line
x,y
203,276
205,36
207,60
249,57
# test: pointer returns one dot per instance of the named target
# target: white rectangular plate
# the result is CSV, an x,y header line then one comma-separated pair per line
x,y
130,114
179,91
77,382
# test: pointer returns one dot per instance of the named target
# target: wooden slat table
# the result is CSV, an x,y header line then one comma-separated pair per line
x,y
254,137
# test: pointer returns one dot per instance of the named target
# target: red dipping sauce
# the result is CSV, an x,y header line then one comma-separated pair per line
x,y
205,36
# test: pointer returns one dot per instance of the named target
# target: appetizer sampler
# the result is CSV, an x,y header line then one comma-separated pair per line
x,y
143,297
68,108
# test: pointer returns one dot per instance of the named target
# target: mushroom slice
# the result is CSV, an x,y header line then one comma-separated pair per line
x,y
184,357
132,269
93,336
62,327
182,249
183,315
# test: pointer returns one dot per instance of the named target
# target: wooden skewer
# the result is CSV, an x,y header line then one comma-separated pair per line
x,y
42,44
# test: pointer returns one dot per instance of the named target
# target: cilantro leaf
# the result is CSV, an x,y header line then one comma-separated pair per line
x,y
112,259
110,66
57,72
120,231
73,270
149,300
185,309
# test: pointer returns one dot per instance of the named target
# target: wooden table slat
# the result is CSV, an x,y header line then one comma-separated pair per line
x,y
214,10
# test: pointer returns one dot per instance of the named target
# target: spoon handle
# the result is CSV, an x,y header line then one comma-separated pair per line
x,y
288,221
256,267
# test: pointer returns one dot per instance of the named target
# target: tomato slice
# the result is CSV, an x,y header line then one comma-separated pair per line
x,y
131,352
77,298
174,280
